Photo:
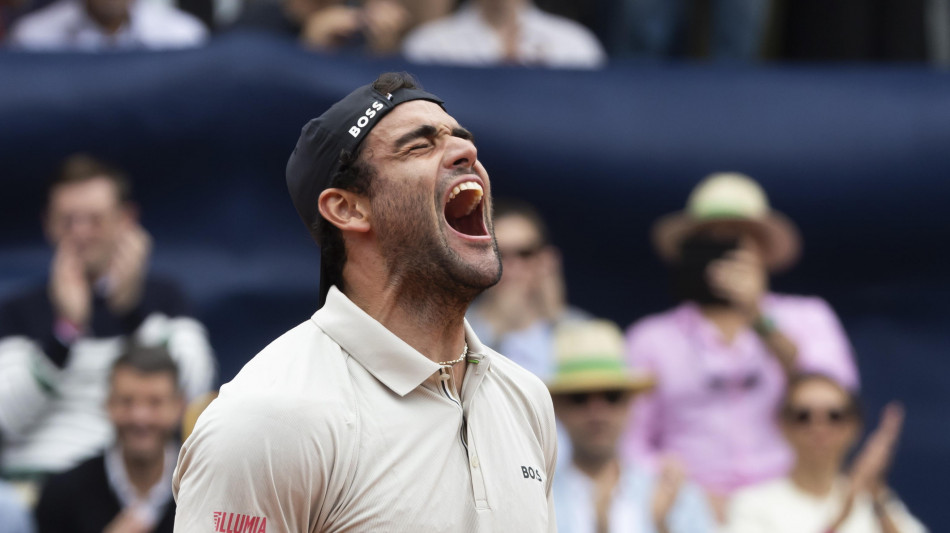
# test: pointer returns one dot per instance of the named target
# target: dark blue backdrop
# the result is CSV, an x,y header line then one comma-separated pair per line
x,y
857,155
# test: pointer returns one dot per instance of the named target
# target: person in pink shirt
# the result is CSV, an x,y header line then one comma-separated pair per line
x,y
722,357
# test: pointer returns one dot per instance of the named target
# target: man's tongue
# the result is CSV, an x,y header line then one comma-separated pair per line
x,y
462,210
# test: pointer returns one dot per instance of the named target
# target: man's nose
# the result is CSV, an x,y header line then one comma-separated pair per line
x,y
460,153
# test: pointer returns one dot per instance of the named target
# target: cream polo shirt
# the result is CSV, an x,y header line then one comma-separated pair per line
x,y
336,426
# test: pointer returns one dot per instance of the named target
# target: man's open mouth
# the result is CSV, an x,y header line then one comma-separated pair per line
x,y
463,210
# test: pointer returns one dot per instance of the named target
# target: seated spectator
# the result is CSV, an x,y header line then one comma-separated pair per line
x,y
129,487
58,340
721,357
372,26
96,25
516,317
822,421
495,32
594,489
660,28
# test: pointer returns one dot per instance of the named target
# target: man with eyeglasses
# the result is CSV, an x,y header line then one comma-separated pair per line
x,y
594,489
822,421
516,316
721,357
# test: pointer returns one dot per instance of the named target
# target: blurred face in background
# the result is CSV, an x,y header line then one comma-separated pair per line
x,y
743,234
594,421
820,423
524,254
146,410
109,13
89,217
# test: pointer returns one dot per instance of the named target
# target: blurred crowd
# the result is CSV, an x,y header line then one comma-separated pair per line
x,y
552,33
737,410
734,411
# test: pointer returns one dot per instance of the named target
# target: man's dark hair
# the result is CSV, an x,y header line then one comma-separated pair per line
x,y
147,360
78,168
509,207
355,175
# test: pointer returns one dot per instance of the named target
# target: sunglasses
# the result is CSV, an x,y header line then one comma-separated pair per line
x,y
612,397
526,252
805,416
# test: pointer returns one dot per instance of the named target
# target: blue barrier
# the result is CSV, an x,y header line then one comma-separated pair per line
x,y
857,155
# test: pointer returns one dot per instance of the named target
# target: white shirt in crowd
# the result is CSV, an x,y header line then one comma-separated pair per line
x,y
65,25
779,506
466,39
339,425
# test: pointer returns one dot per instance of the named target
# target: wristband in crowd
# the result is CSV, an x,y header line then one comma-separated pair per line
x,y
764,325
66,331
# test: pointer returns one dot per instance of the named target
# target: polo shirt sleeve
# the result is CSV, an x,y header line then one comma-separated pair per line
x,y
822,343
550,457
259,459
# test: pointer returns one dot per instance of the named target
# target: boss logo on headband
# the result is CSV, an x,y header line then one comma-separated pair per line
x,y
364,120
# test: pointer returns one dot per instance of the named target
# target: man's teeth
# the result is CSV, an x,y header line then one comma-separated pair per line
x,y
464,186
468,186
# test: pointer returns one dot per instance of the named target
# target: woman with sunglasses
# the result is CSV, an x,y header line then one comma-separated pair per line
x,y
822,421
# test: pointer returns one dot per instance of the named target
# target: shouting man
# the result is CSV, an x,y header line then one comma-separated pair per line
x,y
383,412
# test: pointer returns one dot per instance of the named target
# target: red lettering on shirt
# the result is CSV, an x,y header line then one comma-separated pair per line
x,y
225,522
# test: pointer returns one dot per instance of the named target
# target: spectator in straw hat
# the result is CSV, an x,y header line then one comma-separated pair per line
x,y
722,356
595,490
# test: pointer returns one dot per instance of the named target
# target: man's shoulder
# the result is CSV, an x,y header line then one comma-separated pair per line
x,y
87,475
304,364
44,25
169,26
663,323
797,306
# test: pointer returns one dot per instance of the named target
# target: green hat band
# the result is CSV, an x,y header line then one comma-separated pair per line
x,y
598,362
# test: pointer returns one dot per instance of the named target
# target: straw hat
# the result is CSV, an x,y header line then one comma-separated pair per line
x,y
589,357
730,197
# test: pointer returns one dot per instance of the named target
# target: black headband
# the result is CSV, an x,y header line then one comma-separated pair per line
x,y
316,158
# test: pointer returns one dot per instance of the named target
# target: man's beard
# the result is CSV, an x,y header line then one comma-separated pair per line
x,y
418,257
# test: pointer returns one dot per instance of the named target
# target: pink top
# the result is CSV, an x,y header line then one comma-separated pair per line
x,y
715,404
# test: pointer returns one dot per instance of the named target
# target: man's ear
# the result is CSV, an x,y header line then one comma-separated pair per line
x,y
344,209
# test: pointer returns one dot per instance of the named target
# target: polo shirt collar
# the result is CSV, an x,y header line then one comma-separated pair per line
x,y
384,355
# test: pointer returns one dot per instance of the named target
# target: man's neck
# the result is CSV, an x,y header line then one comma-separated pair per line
x,y
144,473
432,326
816,480
597,468
728,320
500,14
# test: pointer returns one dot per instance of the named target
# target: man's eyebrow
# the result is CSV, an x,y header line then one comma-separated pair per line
x,y
463,133
422,132
428,131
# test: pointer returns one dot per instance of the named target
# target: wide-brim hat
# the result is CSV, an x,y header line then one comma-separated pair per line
x,y
589,357
733,197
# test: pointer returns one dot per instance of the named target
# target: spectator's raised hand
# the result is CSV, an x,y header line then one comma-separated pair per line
x,y
69,288
127,521
331,27
126,275
671,476
870,466
739,278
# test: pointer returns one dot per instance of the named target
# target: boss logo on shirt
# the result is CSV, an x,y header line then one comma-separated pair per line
x,y
531,473
238,523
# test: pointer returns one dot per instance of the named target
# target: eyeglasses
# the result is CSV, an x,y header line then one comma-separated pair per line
x,y
612,397
525,252
804,416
